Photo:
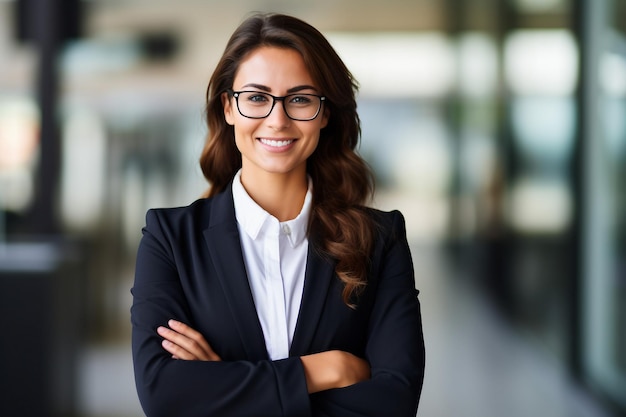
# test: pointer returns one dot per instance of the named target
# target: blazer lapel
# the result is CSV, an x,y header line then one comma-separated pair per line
x,y
222,238
318,276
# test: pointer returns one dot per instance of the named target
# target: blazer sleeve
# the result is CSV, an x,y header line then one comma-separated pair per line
x,y
169,387
395,343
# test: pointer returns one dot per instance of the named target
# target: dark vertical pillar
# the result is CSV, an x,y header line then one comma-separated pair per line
x,y
47,37
40,285
47,24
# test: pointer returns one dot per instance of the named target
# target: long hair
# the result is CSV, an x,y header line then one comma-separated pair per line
x,y
340,227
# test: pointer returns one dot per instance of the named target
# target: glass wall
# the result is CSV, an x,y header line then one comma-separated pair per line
x,y
517,127
541,73
604,249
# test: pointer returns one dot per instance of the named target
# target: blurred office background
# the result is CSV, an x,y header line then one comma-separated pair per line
x,y
498,128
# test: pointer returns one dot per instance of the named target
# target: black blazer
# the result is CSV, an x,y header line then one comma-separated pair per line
x,y
190,267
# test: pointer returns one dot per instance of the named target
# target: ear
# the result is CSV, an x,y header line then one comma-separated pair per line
x,y
325,117
228,109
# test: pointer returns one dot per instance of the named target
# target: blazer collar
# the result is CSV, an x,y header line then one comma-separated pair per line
x,y
222,238
318,276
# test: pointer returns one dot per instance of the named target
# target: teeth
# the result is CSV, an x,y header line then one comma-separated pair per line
x,y
276,143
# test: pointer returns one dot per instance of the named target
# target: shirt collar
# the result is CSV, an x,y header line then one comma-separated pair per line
x,y
252,217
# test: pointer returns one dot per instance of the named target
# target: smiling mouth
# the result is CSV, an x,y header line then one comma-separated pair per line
x,y
276,143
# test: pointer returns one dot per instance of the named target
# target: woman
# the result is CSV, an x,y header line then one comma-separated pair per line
x,y
279,294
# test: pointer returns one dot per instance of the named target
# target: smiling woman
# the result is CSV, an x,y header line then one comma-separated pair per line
x,y
274,148
278,294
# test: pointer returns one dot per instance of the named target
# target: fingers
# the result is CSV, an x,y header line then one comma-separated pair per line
x,y
177,351
194,338
183,342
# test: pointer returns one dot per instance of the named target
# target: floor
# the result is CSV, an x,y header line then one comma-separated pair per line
x,y
477,366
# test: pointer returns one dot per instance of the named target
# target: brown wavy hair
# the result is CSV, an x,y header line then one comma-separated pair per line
x,y
340,226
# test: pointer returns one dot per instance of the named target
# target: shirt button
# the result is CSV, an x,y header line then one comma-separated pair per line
x,y
286,229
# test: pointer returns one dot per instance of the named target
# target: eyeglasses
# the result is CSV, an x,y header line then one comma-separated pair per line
x,y
258,105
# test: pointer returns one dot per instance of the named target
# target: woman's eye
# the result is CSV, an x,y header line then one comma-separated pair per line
x,y
300,100
257,98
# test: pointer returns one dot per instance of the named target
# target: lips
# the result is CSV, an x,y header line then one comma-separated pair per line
x,y
276,143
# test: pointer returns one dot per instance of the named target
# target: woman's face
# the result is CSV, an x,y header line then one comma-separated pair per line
x,y
275,144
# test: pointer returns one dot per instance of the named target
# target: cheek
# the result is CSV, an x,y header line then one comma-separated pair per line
x,y
313,143
238,137
244,129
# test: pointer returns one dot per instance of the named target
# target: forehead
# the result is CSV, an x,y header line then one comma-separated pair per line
x,y
274,67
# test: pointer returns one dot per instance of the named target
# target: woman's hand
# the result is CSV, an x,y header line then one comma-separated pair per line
x,y
185,343
333,369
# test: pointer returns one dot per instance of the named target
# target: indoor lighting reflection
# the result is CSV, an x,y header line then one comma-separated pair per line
x,y
540,207
543,62
19,128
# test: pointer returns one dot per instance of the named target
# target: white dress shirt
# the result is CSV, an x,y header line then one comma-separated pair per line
x,y
275,255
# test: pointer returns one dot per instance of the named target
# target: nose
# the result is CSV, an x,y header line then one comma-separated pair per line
x,y
278,118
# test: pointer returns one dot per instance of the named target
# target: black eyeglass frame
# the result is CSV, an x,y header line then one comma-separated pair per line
x,y
236,94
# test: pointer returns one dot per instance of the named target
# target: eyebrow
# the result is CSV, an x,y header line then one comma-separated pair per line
x,y
291,90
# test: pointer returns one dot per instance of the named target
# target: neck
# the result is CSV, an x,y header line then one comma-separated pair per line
x,y
281,195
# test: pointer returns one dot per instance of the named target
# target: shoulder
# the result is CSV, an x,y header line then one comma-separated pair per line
x,y
168,229
387,223
199,213
191,219
195,212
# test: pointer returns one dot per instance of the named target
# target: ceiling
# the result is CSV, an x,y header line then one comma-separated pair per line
x,y
105,66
